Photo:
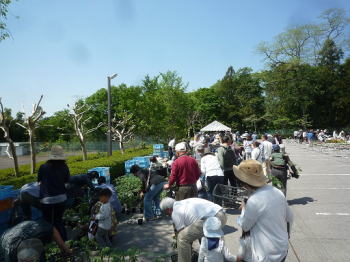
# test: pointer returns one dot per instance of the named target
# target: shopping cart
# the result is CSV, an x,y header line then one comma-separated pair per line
x,y
228,196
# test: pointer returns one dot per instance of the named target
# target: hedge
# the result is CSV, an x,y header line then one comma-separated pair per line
x,y
77,166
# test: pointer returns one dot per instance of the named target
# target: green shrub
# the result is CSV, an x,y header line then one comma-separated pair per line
x,y
128,188
77,166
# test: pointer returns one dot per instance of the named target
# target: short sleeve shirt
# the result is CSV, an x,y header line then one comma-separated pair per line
x,y
188,211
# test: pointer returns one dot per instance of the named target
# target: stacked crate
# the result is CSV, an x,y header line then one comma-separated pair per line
x,y
102,171
158,150
141,161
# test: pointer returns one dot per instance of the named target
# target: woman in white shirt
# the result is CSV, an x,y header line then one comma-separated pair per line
x,y
212,171
256,152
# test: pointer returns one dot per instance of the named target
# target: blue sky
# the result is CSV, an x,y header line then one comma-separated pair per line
x,y
64,49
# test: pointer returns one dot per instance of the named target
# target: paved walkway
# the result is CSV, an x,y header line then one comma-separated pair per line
x,y
320,201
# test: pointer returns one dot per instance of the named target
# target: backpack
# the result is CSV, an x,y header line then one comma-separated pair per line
x,y
230,157
278,159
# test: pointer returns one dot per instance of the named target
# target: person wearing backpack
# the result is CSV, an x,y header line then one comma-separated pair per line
x,y
279,167
227,158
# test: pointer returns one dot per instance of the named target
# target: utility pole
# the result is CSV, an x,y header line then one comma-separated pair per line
x,y
109,133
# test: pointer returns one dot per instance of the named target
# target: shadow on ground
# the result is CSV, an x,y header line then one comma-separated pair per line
x,y
301,201
152,238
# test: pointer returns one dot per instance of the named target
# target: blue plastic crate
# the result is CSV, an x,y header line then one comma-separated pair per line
x,y
128,164
166,154
141,159
158,146
159,154
102,171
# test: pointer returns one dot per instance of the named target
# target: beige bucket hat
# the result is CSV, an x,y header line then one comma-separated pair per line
x,y
251,172
57,153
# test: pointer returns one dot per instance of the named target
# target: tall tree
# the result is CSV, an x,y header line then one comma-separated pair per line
x,y
5,123
330,55
79,118
31,123
123,129
302,43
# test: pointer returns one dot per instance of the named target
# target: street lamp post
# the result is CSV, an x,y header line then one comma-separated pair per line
x,y
109,133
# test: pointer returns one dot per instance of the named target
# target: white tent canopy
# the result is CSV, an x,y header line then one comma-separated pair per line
x,y
215,127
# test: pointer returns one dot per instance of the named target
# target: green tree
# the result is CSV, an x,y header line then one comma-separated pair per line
x,y
241,94
56,127
330,55
4,33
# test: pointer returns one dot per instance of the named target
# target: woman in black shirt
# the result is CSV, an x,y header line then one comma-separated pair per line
x,y
52,176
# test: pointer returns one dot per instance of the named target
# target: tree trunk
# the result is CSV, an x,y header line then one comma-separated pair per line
x,y
83,149
121,146
13,154
32,151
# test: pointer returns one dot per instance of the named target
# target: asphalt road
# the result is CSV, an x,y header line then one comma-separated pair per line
x,y
320,201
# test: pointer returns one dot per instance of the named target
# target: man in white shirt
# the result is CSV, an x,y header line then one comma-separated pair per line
x,y
188,217
266,148
265,215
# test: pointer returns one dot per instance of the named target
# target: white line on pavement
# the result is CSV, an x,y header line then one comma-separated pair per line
x,y
333,214
302,174
323,188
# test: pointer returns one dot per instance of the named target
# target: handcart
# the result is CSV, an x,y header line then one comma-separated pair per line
x,y
228,196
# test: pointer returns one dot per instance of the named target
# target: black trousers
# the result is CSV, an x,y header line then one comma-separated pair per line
x,y
282,175
53,214
212,181
230,176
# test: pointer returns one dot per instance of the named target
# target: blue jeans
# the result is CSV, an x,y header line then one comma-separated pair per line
x,y
152,197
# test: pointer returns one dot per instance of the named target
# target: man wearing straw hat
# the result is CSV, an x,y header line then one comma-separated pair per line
x,y
265,215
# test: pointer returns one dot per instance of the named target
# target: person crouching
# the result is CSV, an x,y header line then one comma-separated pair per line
x,y
188,217
213,248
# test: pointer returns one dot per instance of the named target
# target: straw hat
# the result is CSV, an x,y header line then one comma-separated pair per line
x,y
212,227
57,153
251,172
30,250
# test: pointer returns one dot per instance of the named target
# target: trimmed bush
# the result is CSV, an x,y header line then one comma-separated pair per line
x,y
77,166
128,188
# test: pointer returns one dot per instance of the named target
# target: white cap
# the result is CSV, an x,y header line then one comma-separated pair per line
x,y
212,227
180,147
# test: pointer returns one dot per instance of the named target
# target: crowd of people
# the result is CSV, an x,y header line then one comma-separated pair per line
x,y
195,168
321,135
218,159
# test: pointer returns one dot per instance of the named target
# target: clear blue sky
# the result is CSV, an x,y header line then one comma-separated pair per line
x,y
64,49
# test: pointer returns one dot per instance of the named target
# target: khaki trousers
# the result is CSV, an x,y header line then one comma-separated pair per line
x,y
189,234
185,192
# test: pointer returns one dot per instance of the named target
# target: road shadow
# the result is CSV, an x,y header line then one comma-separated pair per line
x,y
153,238
233,211
229,229
301,201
